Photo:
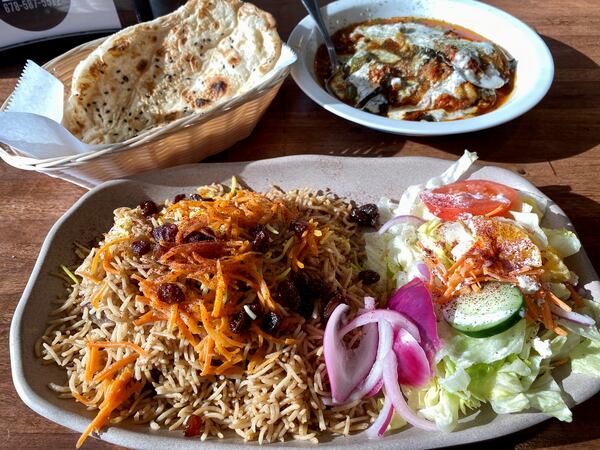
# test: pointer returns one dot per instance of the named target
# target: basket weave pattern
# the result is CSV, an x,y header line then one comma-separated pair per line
x,y
185,140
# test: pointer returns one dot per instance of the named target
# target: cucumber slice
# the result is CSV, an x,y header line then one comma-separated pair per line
x,y
494,309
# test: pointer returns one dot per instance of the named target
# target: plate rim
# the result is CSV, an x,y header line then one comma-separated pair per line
x,y
305,81
122,436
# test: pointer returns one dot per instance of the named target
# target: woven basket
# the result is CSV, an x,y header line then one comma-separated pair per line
x,y
185,140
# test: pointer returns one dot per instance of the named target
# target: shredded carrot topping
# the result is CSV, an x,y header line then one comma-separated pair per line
x,y
220,264
114,367
93,361
103,249
117,392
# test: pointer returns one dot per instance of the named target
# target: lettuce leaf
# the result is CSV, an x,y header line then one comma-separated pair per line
x,y
545,396
505,371
585,358
466,351
565,242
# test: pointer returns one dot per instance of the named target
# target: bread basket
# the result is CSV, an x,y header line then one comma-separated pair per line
x,y
182,141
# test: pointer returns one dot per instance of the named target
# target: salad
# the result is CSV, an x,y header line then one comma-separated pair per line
x,y
483,308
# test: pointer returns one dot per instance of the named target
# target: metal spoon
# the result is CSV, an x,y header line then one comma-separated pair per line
x,y
313,10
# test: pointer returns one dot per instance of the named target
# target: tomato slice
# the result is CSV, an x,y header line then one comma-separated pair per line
x,y
476,197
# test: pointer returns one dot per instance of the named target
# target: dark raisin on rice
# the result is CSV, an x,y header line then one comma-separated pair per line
x,y
165,233
287,295
260,238
140,248
197,198
178,198
170,293
310,287
205,234
368,277
240,322
312,290
337,299
148,208
298,227
193,426
270,322
365,215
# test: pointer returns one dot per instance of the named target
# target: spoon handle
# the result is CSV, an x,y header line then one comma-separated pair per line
x,y
313,10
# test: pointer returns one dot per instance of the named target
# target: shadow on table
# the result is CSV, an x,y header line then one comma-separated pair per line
x,y
565,123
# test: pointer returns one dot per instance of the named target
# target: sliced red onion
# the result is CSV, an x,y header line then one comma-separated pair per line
x,y
414,301
346,369
373,383
373,392
396,320
414,220
369,303
572,316
413,365
424,271
394,393
378,428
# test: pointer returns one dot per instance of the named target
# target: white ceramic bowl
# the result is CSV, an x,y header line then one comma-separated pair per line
x,y
535,68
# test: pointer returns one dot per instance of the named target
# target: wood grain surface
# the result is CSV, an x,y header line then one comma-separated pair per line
x,y
556,146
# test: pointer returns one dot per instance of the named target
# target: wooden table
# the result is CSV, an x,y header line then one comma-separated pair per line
x,y
556,146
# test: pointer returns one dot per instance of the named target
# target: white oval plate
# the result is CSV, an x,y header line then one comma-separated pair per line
x,y
360,179
535,67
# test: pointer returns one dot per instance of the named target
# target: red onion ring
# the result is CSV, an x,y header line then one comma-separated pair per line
x,y
396,320
372,384
393,391
572,316
346,369
379,427
416,221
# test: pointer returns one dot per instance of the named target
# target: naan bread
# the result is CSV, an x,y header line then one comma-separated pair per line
x,y
187,62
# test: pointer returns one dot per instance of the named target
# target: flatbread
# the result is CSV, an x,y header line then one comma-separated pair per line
x,y
187,62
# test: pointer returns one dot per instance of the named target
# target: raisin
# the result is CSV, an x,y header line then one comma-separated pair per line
x,y
170,293
195,197
337,299
368,277
260,238
205,234
310,288
365,215
178,198
270,322
148,208
240,322
140,248
306,308
165,233
298,227
193,426
287,294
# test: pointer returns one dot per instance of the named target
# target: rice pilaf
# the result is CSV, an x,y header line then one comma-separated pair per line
x,y
213,307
